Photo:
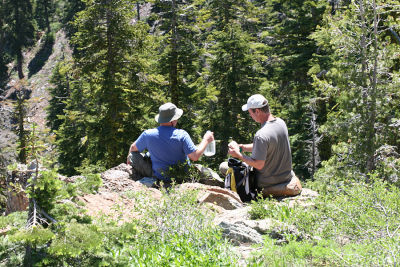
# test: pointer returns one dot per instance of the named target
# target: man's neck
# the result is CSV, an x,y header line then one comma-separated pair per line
x,y
267,117
169,124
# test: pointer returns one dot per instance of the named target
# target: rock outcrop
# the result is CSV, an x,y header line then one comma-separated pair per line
x,y
231,214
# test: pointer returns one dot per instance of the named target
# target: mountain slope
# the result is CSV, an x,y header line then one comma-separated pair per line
x,y
38,69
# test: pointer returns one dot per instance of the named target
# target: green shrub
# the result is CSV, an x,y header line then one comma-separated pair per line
x,y
34,236
75,239
12,253
14,220
183,172
175,231
268,208
45,189
91,181
387,163
88,184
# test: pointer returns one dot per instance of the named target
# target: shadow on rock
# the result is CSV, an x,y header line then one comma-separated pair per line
x,y
37,63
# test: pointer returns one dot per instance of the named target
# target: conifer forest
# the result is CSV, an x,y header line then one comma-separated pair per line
x,y
329,68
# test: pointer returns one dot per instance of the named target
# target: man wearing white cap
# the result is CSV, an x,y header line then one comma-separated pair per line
x,y
167,146
271,157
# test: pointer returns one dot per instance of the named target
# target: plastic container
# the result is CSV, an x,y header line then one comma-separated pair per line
x,y
210,149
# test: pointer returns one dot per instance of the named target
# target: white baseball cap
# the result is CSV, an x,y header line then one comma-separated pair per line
x,y
255,101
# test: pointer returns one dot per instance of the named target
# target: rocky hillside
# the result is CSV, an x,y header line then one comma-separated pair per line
x,y
36,84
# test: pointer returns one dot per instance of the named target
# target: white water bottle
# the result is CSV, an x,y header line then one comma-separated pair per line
x,y
210,149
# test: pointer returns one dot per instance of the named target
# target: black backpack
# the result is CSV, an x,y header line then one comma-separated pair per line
x,y
241,179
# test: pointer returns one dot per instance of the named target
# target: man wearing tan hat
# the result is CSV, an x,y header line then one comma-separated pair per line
x,y
166,144
271,156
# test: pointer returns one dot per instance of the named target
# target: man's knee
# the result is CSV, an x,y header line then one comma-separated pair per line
x,y
141,164
223,168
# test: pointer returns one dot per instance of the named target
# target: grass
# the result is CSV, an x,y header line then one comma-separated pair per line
x,y
175,232
356,226
178,233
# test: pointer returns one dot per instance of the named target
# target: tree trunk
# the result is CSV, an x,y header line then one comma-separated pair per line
x,y
16,182
20,61
46,13
372,102
138,11
21,127
18,49
28,256
173,74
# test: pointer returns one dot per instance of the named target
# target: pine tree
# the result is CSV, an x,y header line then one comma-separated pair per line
x,y
20,116
69,11
363,70
174,24
61,79
44,10
233,72
5,57
71,138
114,82
286,26
19,18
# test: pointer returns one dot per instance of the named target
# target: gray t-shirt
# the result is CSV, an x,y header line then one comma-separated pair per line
x,y
271,143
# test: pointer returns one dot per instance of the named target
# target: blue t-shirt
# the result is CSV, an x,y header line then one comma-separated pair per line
x,y
167,146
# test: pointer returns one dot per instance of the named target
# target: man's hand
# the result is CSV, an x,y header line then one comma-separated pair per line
x,y
208,137
234,150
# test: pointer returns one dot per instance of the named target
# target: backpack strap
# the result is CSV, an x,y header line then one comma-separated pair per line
x,y
231,180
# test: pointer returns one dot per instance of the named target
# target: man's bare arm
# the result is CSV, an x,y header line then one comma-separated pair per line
x,y
234,151
208,137
132,148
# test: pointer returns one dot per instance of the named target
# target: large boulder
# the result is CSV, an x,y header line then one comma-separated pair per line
x,y
111,204
209,177
305,199
240,233
118,179
220,198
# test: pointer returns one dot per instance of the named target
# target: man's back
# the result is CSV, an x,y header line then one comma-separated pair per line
x,y
167,146
271,143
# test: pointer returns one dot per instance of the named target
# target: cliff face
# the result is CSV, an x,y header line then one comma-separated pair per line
x,y
7,136
35,85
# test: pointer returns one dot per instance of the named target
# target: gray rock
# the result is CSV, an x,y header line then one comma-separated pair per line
x,y
123,167
305,199
233,216
114,175
239,233
235,224
209,177
264,226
